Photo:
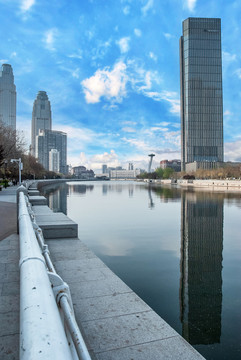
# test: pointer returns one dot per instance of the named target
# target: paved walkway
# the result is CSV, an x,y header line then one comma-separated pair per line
x,y
9,280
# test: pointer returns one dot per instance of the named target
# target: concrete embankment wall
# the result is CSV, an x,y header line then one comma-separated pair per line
x,y
234,185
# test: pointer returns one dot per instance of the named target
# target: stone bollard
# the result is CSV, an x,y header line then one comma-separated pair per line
x,y
23,189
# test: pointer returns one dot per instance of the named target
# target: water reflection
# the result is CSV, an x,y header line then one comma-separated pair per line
x,y
179,274
79,189
57,197
201,267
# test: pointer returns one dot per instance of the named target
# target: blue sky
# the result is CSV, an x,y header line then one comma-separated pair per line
x,y
111,71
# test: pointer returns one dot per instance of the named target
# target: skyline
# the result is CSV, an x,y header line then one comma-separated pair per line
x,y
114,85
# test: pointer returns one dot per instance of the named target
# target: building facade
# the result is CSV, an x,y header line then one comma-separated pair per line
x,y
48,140
201,91
173,164
82,173
7,96
124,174
41,118
54,160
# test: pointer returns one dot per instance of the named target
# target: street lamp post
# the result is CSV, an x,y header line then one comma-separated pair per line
x,y
20,167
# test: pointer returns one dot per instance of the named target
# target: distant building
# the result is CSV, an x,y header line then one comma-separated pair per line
x,y
201,93
124,174
48,140
82,173
41,118
7,96
54,160
104,169
130,166
173,164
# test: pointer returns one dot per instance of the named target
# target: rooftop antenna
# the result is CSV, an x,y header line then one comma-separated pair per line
x,y
150,162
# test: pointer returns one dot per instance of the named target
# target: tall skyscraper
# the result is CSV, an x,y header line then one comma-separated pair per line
x,y
7,96
41,117
48,140
201,93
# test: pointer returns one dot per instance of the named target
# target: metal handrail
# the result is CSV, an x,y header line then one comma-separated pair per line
x,y
76,347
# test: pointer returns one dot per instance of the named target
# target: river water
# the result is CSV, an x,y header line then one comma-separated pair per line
x,y
179,250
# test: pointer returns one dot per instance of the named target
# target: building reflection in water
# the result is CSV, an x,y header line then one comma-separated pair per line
x,y
57,197
201,267
79,189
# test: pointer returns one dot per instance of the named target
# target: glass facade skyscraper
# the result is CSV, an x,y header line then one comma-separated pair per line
x,y
48,140
41,118
7,96
201,92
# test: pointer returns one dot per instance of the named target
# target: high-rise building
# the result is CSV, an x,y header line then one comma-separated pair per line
x,y
48,140
41,118
54,160
104,169
7,96
201,92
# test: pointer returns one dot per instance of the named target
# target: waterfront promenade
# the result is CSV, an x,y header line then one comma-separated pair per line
x,y
115,322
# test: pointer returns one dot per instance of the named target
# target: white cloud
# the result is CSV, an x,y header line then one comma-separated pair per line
x,y
168,36
95,161
190,4
132,123
124,44
26,5
49,38
138,143
106,83
169,96
238,73
128,129
105,158
126,10
227,57
232,151
227,113
137,32
3,61
13,54
152,56
147,7
75,73
77,55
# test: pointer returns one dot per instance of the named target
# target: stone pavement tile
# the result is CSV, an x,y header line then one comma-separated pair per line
x,y
79,265
12,276
9,347
87,275
9,323
121,331
2,268
4,256
9,303
42,209
13,255
108,306
89,289
68,253
174,348
12,266
11,288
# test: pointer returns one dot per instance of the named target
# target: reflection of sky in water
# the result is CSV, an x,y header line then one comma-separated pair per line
x,y
170,247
